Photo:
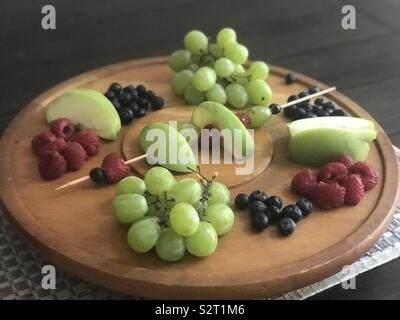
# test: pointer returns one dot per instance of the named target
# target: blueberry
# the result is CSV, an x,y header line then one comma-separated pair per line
x,y
299,113
126,115
326,114
286,226
242,201
305,206
110,95
97,175
292,98
274,201
150,94
258,196
317,108
141,113
141,90
290,78
142,102
273,213
321,113
156,102
338,112
115,87
303,94
307,106
313,90
329,105
275,108
256,206
290,111
310,115
259,221
292,211
116,104
130,89
319,101
134,107
125,98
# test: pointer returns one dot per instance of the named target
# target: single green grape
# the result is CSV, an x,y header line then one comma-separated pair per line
x,y
217,94
159,180
237,95
239,69
259,70
128,208
238,53
259,91
187,190
170,245
181,81
219,193
143,235
220,216
196,42
225,37
204,78
179,60
130,184
203,241
224,67
259,116
194,96
184,219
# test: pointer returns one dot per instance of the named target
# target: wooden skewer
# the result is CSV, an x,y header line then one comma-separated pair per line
x,y
310,96
74,182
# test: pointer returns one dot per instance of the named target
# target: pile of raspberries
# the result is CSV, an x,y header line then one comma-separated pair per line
x,y
336,183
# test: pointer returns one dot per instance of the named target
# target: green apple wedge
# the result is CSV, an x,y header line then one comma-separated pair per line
x,y
316,141
220,117
165,146
87,109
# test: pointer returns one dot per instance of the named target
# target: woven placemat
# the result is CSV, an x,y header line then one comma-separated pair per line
x,y
21,278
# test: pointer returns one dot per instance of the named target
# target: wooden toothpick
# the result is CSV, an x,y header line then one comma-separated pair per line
x,y
74,182
310,96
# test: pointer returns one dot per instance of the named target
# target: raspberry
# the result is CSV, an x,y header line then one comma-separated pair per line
x,y
369,176
52,165
75,156
328,195
62,128
41,140
89,140
56,145
346,160
354,189
304,181
114,168
244,118
332,172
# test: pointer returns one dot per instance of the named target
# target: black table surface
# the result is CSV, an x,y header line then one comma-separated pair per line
x,y
303,35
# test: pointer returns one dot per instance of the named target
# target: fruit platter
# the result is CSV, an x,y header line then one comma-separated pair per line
x,y
199,175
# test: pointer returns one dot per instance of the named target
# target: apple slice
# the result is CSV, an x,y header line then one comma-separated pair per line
x,y
220,117
87,109
316,141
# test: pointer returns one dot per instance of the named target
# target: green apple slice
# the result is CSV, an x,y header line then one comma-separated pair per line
x,y
219,116
87,109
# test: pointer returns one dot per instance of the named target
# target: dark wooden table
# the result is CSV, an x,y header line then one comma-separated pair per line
x,y
304,35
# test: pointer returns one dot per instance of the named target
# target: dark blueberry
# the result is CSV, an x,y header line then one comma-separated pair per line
x,y
329,111
286,226
305,206
302,94
242,201
273,213
115,87
150,94
259,221
319,101
290,111
313,90
134,95
274,201
156,102
130,89
141,113
299,113
258,195
338,112
292,98
256,206
126,115
275,108
134,107
317,108
307,106
141,90
110,95
310,115
143,103
125,98
292,211
97,175
329,105
320,113
290,78
116,104
326,114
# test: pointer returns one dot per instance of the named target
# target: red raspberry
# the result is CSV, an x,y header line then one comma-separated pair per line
x,y
303,182
328,195
354,189
89,140
244,118
56,145
62,128
75,156
368,175
41,140
332,172
346,160
52,165
114,168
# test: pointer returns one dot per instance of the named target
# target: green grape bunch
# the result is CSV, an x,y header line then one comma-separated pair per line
x,y
218,71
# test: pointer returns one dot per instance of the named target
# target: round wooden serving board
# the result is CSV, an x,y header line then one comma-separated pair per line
x,y
75,229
